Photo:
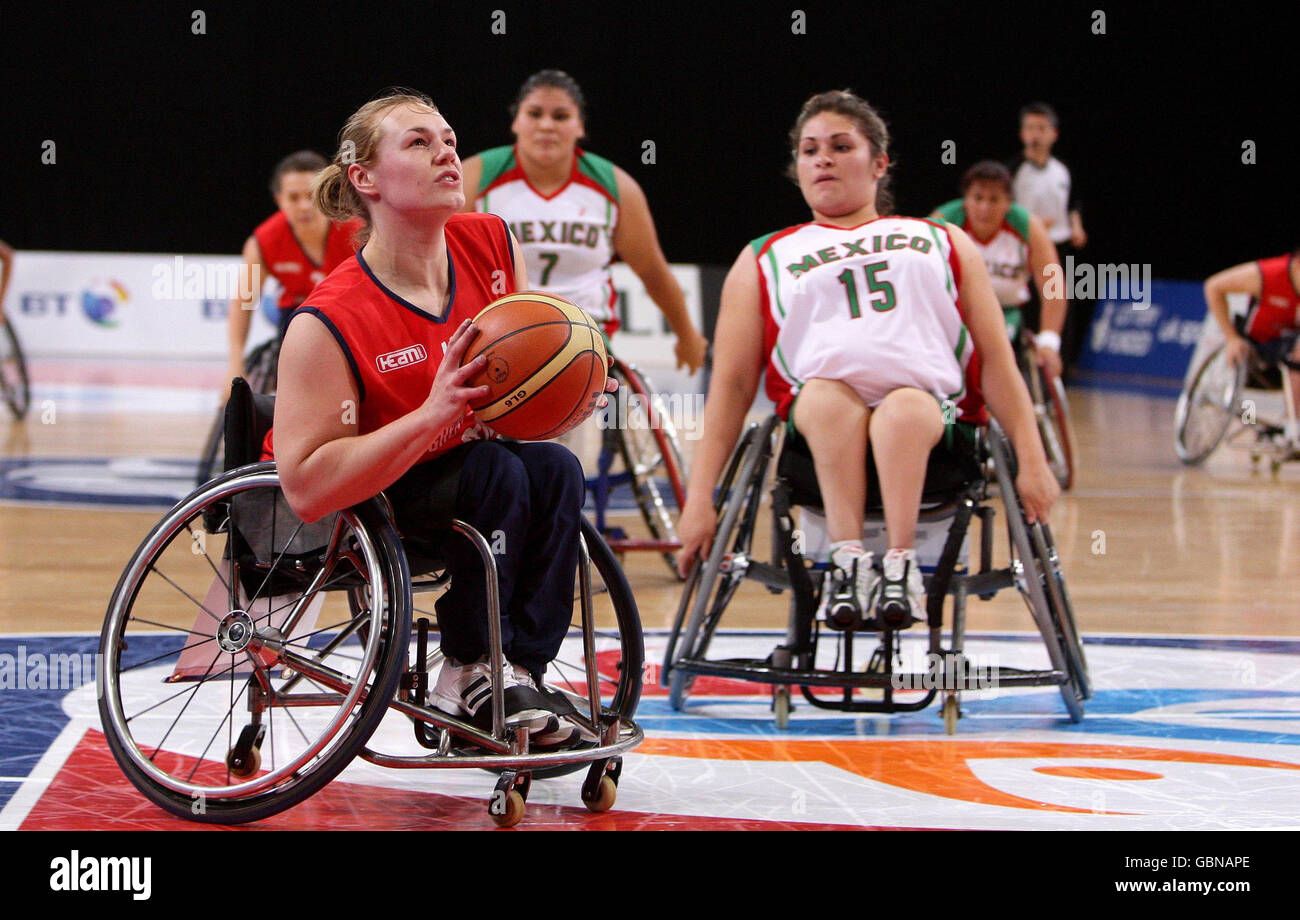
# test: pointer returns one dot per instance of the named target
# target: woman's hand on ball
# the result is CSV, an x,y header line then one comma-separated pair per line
x,y
449,394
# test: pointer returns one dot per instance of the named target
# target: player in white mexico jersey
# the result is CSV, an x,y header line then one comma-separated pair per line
x,y
1015,247
828,306
573,212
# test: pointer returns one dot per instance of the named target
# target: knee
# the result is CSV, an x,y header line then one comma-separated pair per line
x,y
828,405
907,409
493,470
553,469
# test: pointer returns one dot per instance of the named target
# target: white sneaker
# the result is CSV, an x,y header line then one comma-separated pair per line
x,y
848,588
901,588
466,690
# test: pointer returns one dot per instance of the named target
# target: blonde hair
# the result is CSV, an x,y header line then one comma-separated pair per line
x,y
332,190
861,113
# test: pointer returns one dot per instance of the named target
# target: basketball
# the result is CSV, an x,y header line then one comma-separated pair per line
x,y
546,365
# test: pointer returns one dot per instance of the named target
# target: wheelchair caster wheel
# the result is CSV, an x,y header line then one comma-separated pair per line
x,y
951,713
781,708
246,765
507,810
602,798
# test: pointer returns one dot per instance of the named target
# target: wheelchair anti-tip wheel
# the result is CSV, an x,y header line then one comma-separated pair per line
x,y
237,680
1207,406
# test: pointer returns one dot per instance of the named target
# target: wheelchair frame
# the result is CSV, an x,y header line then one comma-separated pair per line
x,y
1215,393
360,552
1034,570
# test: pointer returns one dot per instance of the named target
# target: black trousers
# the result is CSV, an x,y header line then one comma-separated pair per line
x,y
526,500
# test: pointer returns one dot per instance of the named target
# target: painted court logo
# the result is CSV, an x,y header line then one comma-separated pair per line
x,y
103,873
404,357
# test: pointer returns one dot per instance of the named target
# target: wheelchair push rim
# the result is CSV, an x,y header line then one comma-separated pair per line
x,y
178,736
14,384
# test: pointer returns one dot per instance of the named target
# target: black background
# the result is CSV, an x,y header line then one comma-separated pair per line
x,y
165,139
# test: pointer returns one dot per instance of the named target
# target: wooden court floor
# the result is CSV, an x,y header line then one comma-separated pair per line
x,y
1147,545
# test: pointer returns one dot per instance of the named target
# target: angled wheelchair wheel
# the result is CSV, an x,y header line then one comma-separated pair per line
x,y
652,456
1207,406
712,583
1051,409
1039,579
260,371
15,388
618,644
237,679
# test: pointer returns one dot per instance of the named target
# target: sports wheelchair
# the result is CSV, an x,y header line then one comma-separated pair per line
x,y
260,366
957,487
642,437
1212,403
248,657
15,388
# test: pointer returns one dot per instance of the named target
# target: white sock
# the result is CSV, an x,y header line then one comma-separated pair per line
x,y
843,552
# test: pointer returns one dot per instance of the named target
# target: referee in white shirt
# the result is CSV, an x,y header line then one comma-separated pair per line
x,y
1042,184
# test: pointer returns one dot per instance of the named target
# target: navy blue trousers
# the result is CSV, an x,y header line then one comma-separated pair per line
x,y
526,501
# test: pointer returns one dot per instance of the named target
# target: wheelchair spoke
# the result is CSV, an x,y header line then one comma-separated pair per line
x,y
187,594
183,649
226,719
194,538
191,689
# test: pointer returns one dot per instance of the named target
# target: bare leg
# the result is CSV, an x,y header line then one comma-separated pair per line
x,y
833,419
904,428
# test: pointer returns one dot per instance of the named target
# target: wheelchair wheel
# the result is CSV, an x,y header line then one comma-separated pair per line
x,y
15,388
620,648
1052,411
1207,406
1039,579
237,681
651,455
711,584
260,371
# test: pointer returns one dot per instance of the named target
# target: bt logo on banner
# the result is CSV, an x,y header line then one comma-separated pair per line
x,y
101,299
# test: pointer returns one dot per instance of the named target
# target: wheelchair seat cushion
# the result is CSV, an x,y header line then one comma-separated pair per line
x,y
954,463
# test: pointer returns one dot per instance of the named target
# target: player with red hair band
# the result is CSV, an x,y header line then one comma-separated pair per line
x,y
349,424
297,245
1016,248
1271,320
864,323
573,211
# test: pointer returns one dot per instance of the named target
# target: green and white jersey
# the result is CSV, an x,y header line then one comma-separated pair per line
x,y
567,238
1006,253
875,306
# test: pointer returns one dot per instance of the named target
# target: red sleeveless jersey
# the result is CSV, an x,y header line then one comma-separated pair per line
x,y
1277,308
393,347
285,258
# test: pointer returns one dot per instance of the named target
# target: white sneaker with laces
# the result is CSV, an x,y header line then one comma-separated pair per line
x,y
901,589
466,690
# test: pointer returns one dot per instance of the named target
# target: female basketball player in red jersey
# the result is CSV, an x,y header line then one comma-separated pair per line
x,y
298,246
573,212
1274,288
862,321
349,423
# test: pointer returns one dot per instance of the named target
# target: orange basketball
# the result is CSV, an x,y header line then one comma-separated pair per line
x,y
546,365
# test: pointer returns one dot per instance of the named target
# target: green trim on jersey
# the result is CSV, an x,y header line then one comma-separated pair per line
x,y
776,282
758,244
496,162
948,280
599,170
954,212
